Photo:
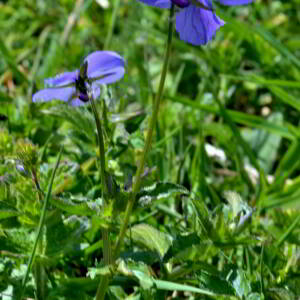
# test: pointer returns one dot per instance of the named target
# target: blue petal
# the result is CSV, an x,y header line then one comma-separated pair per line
x,y
158,3
196,25
96,89
235,2
77,102
63,94
62,79
105,66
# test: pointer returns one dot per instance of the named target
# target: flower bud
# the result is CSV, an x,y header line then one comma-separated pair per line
x,y
27,155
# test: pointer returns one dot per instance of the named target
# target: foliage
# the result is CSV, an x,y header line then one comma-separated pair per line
x,y
217,215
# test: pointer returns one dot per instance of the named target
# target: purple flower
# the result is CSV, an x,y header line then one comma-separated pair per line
x,y
100,67
196,21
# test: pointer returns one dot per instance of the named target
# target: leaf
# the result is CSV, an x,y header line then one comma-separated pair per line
x,y
172,286
180,244
4,214
238,117
5,98
285,97
239,282
158,191
215,282
138,270
10,61
63,237
79,117
264,81
265,144
88,208
275,43
151,238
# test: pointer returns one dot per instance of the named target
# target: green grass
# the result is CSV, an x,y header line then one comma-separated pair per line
x,y
205,225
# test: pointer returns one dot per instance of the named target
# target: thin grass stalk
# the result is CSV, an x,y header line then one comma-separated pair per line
x,y
107,253
138,177
41,224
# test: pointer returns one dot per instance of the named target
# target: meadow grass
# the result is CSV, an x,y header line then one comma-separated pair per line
x,y
217,212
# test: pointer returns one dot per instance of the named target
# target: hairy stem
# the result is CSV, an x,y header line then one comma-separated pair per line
x,y
107,253
40,226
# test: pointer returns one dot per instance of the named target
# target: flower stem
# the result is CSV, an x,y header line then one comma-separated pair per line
x,y
107,253
41,224
138,177
101,148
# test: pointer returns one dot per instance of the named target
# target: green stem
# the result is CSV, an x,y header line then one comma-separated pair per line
x,y
101,148
112,24
147,146
41,224
38,269
107,253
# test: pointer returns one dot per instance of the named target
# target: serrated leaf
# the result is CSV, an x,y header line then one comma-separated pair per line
x,y
151,238
138,270
79,117
215,283
180,244
89,208
160,190
63,237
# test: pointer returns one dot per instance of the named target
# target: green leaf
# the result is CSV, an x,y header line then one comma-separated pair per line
x,y
180,244
88,208
158,191
151,238
276,44
239,282
238,117
4,214
10,61
5,98
285,97
264,81
79,117
138,270
172,286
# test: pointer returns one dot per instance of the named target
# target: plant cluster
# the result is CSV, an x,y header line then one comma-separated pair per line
x,y
165,166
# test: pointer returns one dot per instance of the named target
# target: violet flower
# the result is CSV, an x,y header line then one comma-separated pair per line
x,y
196,21
100,67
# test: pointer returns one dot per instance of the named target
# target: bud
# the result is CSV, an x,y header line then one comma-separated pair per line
x,y
20,168
27,155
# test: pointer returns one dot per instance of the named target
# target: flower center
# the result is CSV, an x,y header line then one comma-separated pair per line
x,y
82,89
181,3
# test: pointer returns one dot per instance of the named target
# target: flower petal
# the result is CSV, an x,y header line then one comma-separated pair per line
x,y
77,102
235,2
63,94
62,79
96,89
196,25
158,3
105,66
